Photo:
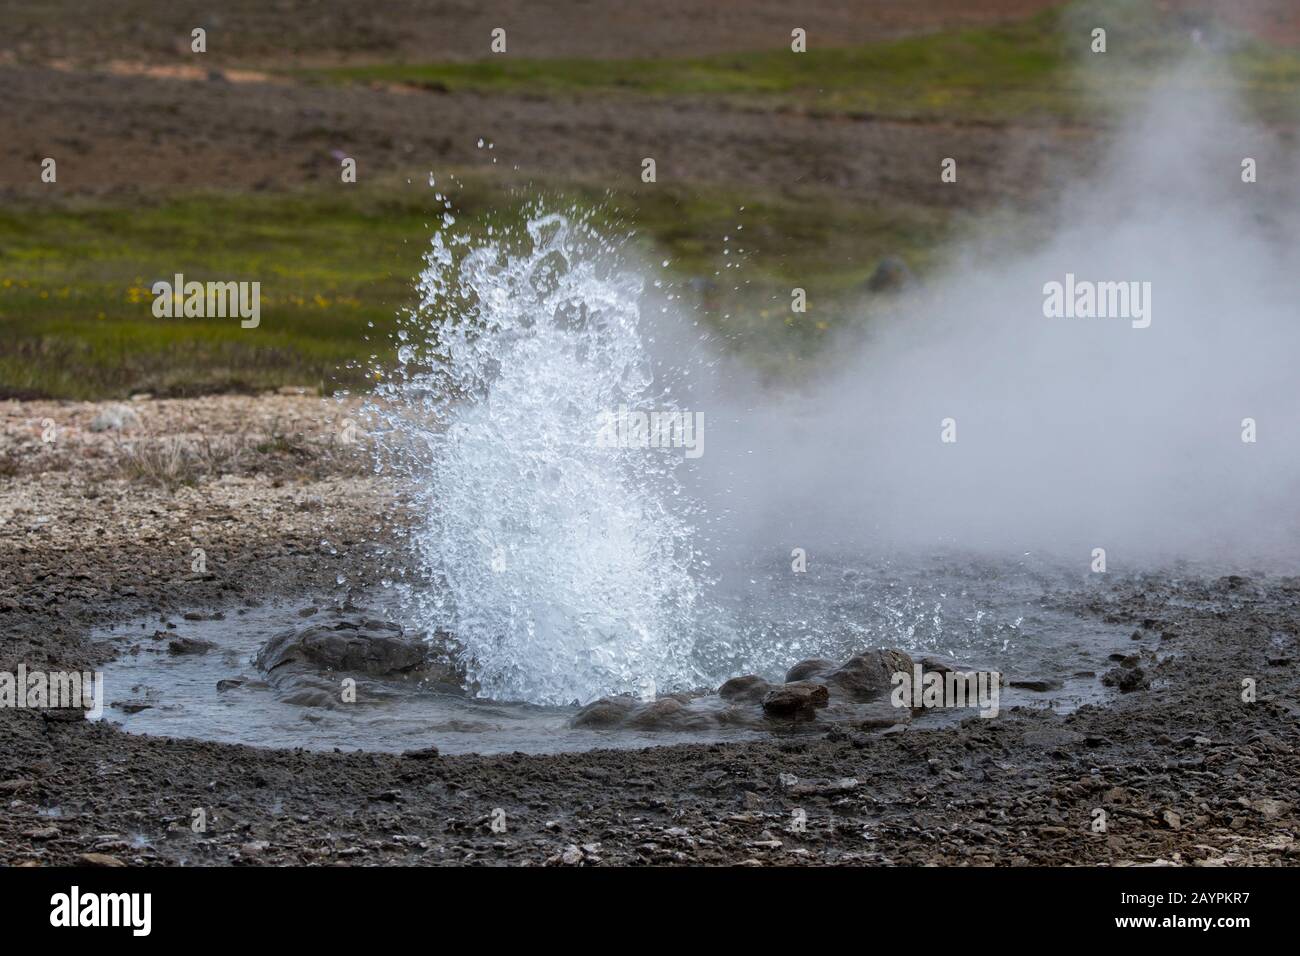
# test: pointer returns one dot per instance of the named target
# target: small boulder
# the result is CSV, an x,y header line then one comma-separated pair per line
x,y
868,675
797,699
751,687
352,644
666,713
1036,683
1127,679
808,669
132,706
606,712
424,753
880,714
189,645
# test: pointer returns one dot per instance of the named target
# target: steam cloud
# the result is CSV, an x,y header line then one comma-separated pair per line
x,y
1072,433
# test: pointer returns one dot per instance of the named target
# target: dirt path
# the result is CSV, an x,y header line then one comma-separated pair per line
x,y
1185,772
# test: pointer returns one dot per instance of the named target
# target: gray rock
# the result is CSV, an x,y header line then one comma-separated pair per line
x,y
1127,678
305,665
667,714
352,644
809,668
189,645
868,675
798,699
132,706
748,688
855,693
1036,683
943,665
880,714
424,753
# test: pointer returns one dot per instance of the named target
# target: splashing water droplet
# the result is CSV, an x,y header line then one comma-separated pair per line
x,y
564,569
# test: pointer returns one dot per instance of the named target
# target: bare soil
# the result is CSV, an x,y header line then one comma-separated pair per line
x,y
105,129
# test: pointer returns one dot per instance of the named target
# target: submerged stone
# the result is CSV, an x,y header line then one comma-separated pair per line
x,y
376,648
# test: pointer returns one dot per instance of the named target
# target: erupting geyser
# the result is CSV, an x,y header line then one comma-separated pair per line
x,y
563,567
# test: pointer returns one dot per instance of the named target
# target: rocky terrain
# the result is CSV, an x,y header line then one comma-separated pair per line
x,y
1179,769
170,510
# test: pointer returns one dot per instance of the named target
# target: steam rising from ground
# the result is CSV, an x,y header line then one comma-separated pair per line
x,y
565,570
1072,433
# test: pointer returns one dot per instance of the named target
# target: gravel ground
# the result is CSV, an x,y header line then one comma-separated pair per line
x,y
1184,771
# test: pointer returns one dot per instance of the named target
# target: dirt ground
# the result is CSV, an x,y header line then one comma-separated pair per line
x,y
215,134
1185,772
112,96
110,99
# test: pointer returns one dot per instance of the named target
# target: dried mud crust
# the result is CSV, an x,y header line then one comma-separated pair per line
x,y
1185,772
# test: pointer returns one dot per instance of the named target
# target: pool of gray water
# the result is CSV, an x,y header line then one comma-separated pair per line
x,y
1015,618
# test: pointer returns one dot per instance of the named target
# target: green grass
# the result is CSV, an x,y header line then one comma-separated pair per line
x,y
917,76
337,267
75,291
1038,68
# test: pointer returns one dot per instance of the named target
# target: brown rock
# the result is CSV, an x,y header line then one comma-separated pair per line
x,y
868,675
748,688
809,668
606,712
796,699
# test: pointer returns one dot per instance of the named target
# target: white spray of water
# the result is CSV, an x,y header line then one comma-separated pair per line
x,y
563,568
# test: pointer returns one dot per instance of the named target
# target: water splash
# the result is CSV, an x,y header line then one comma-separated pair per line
x,y
563,570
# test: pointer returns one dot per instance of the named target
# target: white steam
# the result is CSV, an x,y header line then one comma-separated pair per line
x,y
1072,434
